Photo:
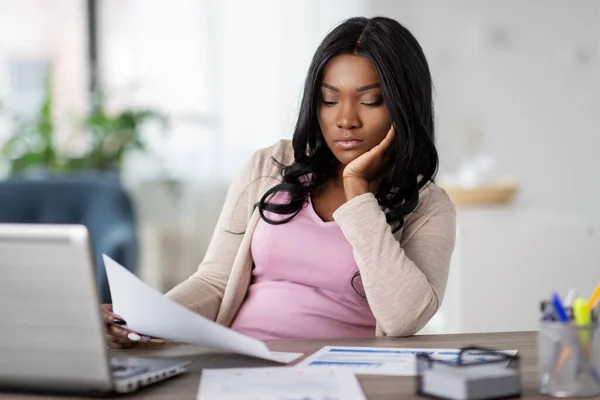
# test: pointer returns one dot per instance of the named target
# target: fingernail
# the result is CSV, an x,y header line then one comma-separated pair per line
x,y
134,337
119,321
145,339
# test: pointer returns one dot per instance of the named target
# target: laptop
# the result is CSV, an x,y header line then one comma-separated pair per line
x,y
52,337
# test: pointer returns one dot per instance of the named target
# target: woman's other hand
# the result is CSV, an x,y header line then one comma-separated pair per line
x,y
117,336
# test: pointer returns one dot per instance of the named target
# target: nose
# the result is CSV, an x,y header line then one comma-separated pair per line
x,y
348,118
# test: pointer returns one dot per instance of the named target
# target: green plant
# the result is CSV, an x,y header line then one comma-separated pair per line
x,y
32,144
111,136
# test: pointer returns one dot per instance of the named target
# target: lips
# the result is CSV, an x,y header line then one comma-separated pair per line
x,y
348,142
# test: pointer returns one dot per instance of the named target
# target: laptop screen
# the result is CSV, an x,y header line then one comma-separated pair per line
x,y
51,333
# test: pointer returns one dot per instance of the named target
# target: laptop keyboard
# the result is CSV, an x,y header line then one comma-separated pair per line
x,y
121,371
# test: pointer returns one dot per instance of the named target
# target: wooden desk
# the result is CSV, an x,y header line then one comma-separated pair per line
x,y
375,387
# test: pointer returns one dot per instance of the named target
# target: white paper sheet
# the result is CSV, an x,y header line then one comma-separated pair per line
x,y
279,383
151,313
380,361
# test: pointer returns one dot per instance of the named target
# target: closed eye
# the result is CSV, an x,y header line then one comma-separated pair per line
x,y
329,103
374,104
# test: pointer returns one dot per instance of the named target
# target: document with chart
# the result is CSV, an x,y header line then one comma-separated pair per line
x,y
382,361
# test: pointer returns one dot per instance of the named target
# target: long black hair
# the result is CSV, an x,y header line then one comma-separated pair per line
x,y
407,92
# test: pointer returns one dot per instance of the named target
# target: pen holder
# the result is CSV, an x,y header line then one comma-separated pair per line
x,y
569,359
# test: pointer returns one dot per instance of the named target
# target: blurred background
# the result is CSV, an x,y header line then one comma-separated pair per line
x,y
160,103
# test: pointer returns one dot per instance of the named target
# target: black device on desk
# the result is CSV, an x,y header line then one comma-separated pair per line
x,y
495,378
52,336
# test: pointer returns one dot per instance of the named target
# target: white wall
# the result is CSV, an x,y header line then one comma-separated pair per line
x,y
529,73
507,259
537,92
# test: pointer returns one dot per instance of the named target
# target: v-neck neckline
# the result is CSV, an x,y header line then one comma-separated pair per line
x,y
313,214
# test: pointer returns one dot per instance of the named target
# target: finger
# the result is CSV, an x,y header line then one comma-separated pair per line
x,y
135,337
110,313
389,137
385,143
127,336
122,345
112,343
111,318
391,131
110,338
119,334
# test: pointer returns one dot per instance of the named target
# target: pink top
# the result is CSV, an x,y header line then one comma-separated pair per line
x,y
301,283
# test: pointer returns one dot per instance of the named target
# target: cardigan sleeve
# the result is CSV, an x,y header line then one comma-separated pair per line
x,y
404,284
203,291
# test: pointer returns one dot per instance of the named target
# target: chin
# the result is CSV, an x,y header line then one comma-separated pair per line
x,y
347,157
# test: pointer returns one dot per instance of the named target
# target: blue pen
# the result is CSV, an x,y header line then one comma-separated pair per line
x,y
558,308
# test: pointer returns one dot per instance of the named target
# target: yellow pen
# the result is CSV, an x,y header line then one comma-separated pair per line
x,y
583,319
594,299
582,313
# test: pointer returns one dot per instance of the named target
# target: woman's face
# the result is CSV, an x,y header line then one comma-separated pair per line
x,y
352,115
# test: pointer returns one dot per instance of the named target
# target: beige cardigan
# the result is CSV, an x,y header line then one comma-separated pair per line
x,y
404,274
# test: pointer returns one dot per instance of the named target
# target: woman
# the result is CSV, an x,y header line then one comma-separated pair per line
x,y
340,232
